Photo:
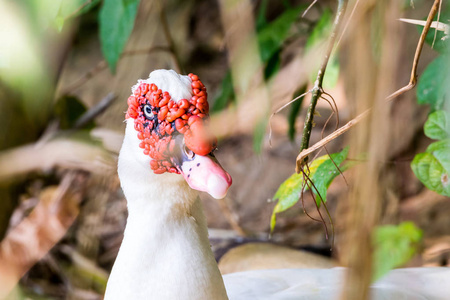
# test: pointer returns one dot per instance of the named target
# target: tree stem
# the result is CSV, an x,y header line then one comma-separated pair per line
x,y
317,89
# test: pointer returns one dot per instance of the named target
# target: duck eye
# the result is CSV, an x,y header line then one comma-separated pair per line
x,y
148,111
189,153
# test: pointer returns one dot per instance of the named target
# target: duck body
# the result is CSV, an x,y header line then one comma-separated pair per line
x,y
165,253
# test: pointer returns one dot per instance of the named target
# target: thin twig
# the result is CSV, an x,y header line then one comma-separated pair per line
x,y
347,23
74,13
309,7
301,158
280,109
317,89
438,19
94,111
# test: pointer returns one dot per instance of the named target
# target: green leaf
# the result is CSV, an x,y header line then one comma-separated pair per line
x,y
225,94
258,136
438,125
289,191
440,45
116,21
59,23
68,109
273,65
86,8
295,110
432,168
332,72
432,86
320,34
43,12
272,36
322,29
325,174
261,18
394,246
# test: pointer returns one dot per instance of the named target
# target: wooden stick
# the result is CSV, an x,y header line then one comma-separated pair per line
x,y
301,158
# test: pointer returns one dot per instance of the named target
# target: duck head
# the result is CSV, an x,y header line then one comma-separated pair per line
x,y
169,113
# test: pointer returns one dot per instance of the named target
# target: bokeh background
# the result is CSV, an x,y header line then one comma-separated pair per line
x,y
62,212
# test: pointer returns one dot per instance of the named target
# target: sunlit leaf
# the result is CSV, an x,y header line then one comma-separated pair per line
x,y
432,86
73,8
261,20
438,125
272,36
322,171
43,12
433,167
225,94
59,23
258,135
325,174
332,73
320,34
116,21
322,29
23,68
394,246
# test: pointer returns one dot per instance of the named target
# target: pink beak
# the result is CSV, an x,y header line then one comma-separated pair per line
x,y
204,173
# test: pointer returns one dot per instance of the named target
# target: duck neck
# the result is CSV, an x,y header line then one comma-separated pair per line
x,y
165,253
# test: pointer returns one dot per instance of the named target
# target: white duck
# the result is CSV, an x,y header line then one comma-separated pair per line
x,y
165,253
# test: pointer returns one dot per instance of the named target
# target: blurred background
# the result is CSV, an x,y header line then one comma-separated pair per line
x,y
66,70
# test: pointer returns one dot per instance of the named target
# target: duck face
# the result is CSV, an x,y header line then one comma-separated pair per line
x,y
173,131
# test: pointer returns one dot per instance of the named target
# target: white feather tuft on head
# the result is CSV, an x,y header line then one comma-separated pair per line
x,y
178,86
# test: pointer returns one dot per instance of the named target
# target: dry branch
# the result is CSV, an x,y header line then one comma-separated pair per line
x,y
317,89
59,152
33,238
301,158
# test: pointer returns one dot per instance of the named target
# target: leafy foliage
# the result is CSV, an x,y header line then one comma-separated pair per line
x,y
116,23
440,44
320,34
433,167
270,37
68,110
325,174
321,172
73,8
225,93
432,86
437,126
258,135
322,29
394,246
295,110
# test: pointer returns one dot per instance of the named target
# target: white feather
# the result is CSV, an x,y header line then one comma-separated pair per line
x,y
166,254
178,86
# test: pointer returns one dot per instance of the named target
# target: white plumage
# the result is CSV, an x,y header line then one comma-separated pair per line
x,y
166,253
